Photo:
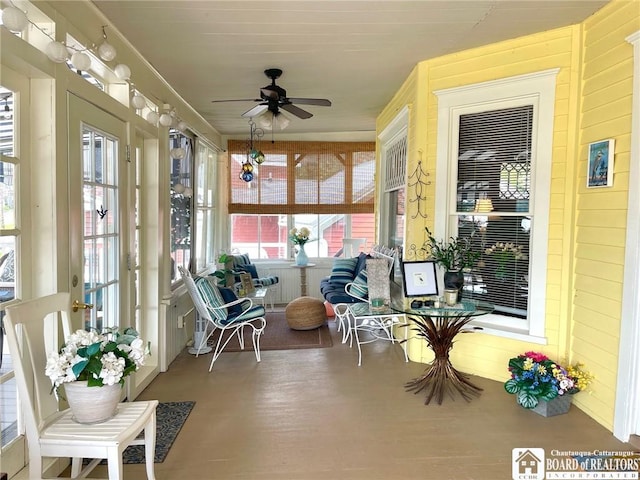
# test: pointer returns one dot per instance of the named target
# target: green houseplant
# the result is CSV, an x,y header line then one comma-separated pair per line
x,y
455,255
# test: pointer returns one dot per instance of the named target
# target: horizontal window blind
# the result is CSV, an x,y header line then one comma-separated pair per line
x,y
493,195
304,177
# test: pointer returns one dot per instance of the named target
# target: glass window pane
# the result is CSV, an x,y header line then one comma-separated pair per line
x,y
7,135
7,269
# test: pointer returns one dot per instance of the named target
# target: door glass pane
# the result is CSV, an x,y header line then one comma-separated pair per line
x,y
101,235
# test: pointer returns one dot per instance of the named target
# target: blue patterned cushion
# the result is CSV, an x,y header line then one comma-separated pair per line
x,y
213,297
343,270
254,312
359,286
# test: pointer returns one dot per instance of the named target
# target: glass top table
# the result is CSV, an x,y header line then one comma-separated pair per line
x,y
439,327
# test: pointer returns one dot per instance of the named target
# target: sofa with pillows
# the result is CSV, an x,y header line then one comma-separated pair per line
x,y
345,271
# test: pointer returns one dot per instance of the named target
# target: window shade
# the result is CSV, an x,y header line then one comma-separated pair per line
x,y
304,177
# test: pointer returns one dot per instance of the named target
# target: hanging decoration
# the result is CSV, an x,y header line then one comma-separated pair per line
x,y
254,154
417,181
77,55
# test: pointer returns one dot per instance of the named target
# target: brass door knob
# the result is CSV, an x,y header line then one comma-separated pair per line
x,y
78,305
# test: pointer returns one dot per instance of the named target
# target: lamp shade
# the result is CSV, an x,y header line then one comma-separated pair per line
x,y
483,205
81,61
57,52
152,118
106,52
14,19
138,101
165,120
122,71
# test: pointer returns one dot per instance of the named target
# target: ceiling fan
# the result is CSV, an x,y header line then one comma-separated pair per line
x,y
273,98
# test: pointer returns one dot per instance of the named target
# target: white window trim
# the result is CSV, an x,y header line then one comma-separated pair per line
x,y
537,89
627,418
397,128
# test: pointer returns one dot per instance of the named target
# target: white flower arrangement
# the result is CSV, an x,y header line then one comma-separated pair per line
x,y
99,358
300,237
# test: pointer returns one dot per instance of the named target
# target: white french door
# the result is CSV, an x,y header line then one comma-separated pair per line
x,y
98,241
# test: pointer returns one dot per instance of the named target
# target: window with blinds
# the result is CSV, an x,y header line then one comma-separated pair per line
x,y
304,177
492,202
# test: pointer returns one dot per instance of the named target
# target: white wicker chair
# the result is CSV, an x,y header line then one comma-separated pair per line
x,y
210,305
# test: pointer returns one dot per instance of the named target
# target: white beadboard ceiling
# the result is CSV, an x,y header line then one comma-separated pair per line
x,y
354,53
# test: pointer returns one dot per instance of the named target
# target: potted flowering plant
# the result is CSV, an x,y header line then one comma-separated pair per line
x,y
92,359
300,237
535,379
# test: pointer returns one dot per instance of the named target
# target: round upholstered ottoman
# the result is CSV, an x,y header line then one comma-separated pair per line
x,y
305,313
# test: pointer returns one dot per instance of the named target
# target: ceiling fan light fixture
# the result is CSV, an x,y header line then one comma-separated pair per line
x,y
281,120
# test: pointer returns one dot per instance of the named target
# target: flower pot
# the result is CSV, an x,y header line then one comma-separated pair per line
x,y
301,257
454,280
92,404
556,406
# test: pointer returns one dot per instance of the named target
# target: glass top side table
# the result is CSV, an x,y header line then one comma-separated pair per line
x,y
440,326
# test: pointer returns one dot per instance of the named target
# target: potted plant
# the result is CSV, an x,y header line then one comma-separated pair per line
x,y
92,367
454,256
543,385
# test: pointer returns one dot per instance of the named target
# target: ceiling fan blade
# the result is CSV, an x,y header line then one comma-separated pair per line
x,y
257,110
297,111
322,102
238,100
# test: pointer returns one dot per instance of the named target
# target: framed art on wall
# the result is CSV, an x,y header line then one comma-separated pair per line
x,y
600,164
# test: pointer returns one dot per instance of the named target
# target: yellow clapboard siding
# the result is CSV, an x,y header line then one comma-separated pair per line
x,y
614,219
600,252
556,216
620,107
602,235
601,83
605,95
603,199
595,327
598,286
597,303
601,270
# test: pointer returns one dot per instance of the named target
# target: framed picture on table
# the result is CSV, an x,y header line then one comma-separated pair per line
x,y
600,164
247,283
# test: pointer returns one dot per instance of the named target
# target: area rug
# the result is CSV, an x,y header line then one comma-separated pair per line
x,y
278,336
170,417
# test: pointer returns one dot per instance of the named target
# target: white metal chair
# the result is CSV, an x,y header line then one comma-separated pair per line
x,y
341,311
223,316
32,329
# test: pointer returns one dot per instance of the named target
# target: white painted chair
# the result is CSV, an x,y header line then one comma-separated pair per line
x,y
210,305
32,328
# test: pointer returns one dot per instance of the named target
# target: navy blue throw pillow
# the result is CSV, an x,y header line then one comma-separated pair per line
x,y
250,269
228,296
